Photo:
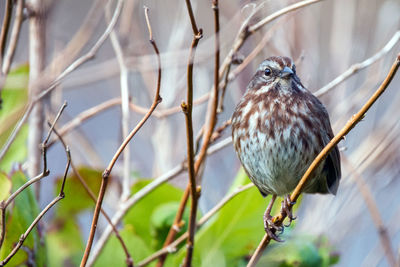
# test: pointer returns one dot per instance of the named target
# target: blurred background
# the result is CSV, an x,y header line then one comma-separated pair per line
x,y
325,39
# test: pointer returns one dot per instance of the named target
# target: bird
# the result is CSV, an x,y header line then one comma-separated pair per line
x,y
278,128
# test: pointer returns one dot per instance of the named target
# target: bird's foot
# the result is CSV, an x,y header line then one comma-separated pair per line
x,y
271,228
286,204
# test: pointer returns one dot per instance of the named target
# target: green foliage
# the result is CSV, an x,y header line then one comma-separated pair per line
x,y
19,215
233,233
146,218
64,243
300,251
5,186
113,254
15,96
76,198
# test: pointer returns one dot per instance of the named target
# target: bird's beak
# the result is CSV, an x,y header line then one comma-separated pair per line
x,y
286,72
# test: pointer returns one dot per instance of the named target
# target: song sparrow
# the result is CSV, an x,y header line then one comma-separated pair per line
x,y
278,128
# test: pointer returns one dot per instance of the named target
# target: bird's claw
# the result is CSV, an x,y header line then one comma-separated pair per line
x,y
271,228
285,208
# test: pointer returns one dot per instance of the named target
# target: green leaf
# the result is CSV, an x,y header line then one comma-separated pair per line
x,y
140,218
19,216
113,254
76,198
17,151
162,220
299,251
15,97
64,243
233,233
5,186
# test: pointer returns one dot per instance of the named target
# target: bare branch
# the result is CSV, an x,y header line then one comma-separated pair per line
x,y
107,171
89,55
4,204
359,66
8,57
5,27
187,110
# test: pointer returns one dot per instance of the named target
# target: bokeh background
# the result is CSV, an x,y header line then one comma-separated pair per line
x,y
325,39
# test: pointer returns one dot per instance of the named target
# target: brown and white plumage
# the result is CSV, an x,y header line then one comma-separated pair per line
x,y
278,128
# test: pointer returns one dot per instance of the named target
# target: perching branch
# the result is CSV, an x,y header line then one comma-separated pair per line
x,y
354,120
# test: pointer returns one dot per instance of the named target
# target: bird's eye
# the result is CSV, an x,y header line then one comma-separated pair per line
x,y
267,72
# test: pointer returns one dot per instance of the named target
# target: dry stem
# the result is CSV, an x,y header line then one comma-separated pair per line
x,y
107,171
187,110
45,172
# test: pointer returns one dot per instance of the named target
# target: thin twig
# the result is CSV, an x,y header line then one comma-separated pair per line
x,y
89,55
354,120
172,247
359,66
107,171
374,211
5,27
60,196
85,115
129,259
45,172
187,110
125,206
124,84
8,57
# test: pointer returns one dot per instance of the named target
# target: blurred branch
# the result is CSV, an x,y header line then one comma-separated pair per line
x,y
124,75
171,248
85,115
187,111
36,98
45,172
8,57
37,58
359,66
354,120
81,37
107,171
374,211
5,27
